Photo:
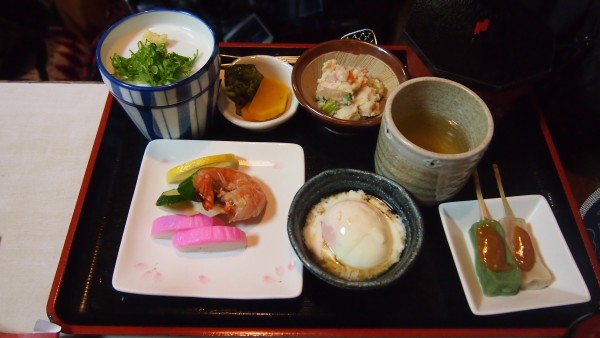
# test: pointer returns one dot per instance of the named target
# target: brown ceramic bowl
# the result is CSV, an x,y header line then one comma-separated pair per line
x,y
381,64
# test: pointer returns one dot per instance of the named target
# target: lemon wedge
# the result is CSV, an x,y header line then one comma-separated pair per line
x,y
181,172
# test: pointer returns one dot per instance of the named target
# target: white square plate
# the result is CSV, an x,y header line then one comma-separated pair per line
x,y
267,268
568,286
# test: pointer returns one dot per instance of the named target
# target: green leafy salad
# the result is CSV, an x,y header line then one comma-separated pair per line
x,y
152,64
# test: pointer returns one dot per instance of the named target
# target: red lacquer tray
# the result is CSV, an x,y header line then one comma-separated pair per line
x,y
429,301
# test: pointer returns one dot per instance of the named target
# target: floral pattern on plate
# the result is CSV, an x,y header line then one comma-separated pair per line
x,y
267,268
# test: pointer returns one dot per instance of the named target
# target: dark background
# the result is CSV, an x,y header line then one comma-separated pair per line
x,y
54,40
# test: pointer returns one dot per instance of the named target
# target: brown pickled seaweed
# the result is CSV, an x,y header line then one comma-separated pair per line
x,y
241,83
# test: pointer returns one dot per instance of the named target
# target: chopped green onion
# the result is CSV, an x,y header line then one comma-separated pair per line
x,y
347,100
329,107
152,65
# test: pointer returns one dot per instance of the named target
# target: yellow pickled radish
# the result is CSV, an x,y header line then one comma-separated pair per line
x,y
179,173
269,102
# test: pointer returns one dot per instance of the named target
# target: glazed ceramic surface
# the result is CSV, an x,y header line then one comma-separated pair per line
x,y
432,177
568,285
178,110
334,181
271,67
308,69
266,268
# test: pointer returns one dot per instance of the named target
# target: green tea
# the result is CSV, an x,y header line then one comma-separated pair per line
x,y
433,132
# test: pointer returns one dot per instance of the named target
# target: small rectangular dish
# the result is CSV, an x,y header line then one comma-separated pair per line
x,y
568,286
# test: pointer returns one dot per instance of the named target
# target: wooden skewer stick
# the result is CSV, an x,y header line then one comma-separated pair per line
x,y
485,214
507,209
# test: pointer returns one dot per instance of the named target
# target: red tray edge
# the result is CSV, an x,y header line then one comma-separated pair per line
x,y
413,332
567,188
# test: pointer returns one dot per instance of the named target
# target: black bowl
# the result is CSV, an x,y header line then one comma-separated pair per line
x,y
334,181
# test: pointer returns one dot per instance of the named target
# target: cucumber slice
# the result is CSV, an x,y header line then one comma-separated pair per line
x,y
170,197
187,190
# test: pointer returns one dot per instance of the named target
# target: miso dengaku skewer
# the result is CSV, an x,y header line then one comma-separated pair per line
x,y
536,274
496,268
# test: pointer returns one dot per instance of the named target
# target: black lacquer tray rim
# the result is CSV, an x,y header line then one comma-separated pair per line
x,y
306,331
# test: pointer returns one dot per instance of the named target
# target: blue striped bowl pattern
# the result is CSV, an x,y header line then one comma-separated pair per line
x,y
182,110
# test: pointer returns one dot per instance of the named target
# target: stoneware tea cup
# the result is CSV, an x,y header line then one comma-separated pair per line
x,y
433,133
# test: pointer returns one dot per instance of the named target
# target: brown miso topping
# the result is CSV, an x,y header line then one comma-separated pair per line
x,y
491,248
522,249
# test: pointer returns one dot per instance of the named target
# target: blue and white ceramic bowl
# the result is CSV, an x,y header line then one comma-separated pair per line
x,y
181,110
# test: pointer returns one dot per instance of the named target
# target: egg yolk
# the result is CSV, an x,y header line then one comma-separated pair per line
x,y
357,234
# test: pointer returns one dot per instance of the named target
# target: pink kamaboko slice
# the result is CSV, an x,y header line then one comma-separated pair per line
x,y
213,238
166,226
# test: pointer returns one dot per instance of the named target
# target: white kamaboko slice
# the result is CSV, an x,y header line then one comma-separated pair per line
x,y
166,226
213,238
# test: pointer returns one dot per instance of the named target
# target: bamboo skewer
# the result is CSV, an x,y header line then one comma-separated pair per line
x,y
507,209
497,272
538,276
485,214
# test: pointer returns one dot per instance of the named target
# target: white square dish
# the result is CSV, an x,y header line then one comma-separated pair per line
x,y
568,286
267,268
